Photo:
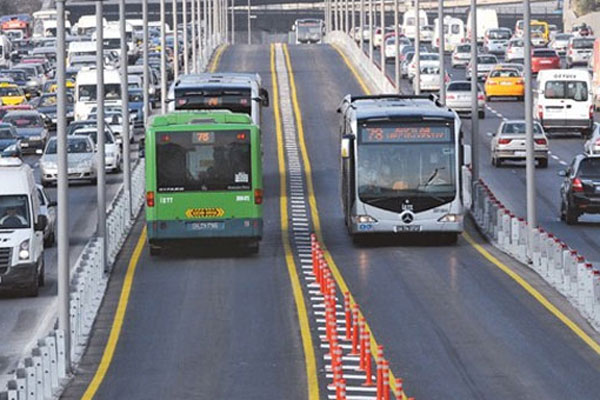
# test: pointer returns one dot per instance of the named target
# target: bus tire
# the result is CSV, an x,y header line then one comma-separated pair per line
x,y
450,237
254,248
155,250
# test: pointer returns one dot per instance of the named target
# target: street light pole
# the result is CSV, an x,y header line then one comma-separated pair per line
x,y
199,34
101,161
396,47
194,42
361,23
371,31
175,42
441,49
145,72
474,93
249,25
186,50
125,111
530,155
62,227
417,77
353,19
381,47
163,59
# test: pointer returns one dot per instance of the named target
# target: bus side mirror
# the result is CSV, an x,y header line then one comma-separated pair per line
x,y
467,154
346,146
264,97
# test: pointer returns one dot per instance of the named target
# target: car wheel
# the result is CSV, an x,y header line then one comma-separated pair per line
x,y
482,114
94,181
41,281
49,242
254,247
450,238
543,163
562,210
571,216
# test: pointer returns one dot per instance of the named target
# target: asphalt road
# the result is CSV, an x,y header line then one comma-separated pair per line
x,y
22,319
207,323
451,323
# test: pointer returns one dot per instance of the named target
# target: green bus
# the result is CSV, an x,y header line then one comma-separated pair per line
x,y
203,179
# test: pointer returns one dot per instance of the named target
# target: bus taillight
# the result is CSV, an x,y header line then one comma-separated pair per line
x,y
258,196
150,199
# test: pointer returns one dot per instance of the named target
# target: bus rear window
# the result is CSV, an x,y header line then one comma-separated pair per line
x,y
203,161
235,100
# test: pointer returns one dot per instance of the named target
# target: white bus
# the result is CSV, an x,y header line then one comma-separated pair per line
x,y
409,22
309,30
487,18
44,15
454,33
237,92
402,159
86,94
86,25
77,49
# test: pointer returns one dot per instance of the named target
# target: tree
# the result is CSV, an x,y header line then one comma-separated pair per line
x,y
20,6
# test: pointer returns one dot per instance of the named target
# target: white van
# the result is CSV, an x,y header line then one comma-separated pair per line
x,y
86,25
5,50
454,33
85,91
77,49
50,26
21,229
564,101
409,22
487,18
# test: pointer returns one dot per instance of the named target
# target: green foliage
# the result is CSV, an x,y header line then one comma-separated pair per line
x,y
583,7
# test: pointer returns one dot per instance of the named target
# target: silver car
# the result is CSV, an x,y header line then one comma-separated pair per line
x,y
496,40
508,143
81,159
560,43
485,63
458,97
47,208
515,50
579,51
592,145
461,55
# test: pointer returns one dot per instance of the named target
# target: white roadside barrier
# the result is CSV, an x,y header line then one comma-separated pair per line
x,y
43,375
562,267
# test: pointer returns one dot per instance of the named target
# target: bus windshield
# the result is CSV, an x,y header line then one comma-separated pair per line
x,y
309,29
203,161
111,92
233,99
411,164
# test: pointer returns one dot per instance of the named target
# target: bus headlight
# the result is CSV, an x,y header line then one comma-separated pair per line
x,y
450,218
364,219
24,250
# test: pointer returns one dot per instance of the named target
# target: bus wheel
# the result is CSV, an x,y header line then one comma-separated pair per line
x,y
450,237
155,250
254,248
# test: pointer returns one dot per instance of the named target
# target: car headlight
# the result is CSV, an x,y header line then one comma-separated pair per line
x,y
450,218
24,250
31,84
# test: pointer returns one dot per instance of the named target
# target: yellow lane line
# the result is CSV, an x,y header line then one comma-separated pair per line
x,y
535,294
313,203
522,282
215,62
307,342
115,330
362,83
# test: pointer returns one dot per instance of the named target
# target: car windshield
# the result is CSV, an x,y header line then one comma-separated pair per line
x,y
6,133
430,57
499,34
516,43
589,168
518,128
74,146
563,37
459,87
48,101
14,212
136,97
504,73
16,74
465,48
111,92
583,43
24,120
574,90
10,91
544,53
93,134
487,60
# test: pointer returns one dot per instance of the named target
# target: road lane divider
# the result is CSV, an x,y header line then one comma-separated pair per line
x,y
298,144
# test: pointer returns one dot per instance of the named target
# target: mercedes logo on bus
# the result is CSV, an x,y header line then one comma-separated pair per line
x,y
407,217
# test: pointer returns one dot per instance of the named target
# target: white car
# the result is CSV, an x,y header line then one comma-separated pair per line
x,y
579,50
485,63
515,50
48,209
458,97
81,159
592,145
538,40
426,60
508,143
426,33
429,79
112,151
560,43
496,40
461,55
390,46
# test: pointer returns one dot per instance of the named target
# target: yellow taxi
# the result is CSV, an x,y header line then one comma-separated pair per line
x,y
54,87
504,82
11,95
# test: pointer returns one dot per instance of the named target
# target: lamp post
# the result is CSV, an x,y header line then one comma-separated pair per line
x,y
163,59
101,161
175,42
417,77
442,46
474,93
186,50
62,184
125,110
146,75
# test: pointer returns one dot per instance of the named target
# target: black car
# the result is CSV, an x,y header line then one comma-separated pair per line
x,y
47,105
580,190
9,141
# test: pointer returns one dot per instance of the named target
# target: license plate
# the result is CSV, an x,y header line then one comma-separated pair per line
x,y
206,226
408,228
520,153
597,189
506,83
24,144
545,62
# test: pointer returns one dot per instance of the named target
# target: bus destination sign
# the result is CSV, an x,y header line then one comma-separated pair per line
x,y
405,134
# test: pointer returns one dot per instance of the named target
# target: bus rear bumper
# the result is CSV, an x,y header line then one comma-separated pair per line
x,y
418,226
246,229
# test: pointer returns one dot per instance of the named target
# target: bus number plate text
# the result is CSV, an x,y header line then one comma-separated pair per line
x,y
408,228
206,226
